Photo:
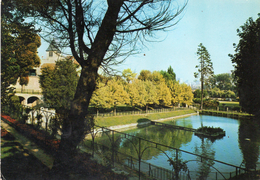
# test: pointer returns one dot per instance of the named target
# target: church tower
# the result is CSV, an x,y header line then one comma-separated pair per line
x,y
52,53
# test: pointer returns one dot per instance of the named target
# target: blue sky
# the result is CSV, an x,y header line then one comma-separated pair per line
x,y
210,22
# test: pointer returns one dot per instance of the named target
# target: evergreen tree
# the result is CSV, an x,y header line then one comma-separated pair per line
x,y
205,68
59,84
169,75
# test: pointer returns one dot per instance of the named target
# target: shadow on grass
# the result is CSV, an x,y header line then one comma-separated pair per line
x,y
9,144
18,163
143,120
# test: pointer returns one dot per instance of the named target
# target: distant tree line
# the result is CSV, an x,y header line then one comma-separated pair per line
x,y
219,86
157,88
150,88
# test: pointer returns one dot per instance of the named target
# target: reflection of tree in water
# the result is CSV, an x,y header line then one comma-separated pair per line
x,y
130,145
166,136
205,150
249,142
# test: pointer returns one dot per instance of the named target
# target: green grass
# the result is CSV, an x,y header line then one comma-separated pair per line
x,y
228,112
122,120
229,103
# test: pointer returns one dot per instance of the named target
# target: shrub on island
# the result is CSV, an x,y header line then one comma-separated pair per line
x,y
212,133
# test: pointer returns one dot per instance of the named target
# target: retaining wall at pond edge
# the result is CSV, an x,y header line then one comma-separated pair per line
x,y
134,125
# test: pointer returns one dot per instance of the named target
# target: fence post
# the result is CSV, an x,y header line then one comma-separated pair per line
x,y
93,143
139,157
112,144
149,169
131,162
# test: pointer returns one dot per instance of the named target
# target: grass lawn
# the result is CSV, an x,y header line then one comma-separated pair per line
x,y
229,103
122,120
232,105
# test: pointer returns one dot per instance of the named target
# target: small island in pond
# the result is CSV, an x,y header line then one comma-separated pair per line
x,y
210,132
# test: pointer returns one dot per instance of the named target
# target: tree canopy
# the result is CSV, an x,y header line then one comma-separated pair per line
x,y
19,43
247,64
97,32
113,91
222,81
59,84
128,74
169,75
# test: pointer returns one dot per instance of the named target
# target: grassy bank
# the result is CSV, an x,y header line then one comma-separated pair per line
x,y
231,105
122,120
231,114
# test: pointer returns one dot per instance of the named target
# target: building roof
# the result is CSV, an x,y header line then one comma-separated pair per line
x,y
53,47
72,59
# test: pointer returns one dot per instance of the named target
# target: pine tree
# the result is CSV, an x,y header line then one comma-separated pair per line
x,y
205,68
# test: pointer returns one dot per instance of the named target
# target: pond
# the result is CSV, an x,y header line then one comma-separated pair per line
x,y
240,147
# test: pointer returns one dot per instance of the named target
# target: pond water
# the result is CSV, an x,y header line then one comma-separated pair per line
x,y
240,146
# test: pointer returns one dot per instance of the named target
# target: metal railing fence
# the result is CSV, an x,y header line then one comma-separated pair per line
x,y
125,113
145,169
28,91
140,145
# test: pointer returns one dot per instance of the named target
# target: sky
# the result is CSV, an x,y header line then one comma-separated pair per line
x,y
213,23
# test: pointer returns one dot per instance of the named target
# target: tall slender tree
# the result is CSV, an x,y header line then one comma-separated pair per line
x,y
205,68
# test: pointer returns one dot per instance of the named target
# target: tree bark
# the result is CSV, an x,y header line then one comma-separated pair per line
x,y
202,82
75,126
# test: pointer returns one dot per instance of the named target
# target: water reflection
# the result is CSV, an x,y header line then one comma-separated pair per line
x,y
205,150
249,142
242,142
130,145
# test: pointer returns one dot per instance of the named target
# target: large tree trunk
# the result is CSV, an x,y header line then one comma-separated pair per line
x,y
75,126
76,123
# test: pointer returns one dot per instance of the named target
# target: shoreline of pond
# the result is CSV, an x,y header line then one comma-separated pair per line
x,y
135,125
227,114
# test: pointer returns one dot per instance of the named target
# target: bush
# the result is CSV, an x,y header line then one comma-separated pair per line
x,y
210,103
207,102
197,100
210,130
